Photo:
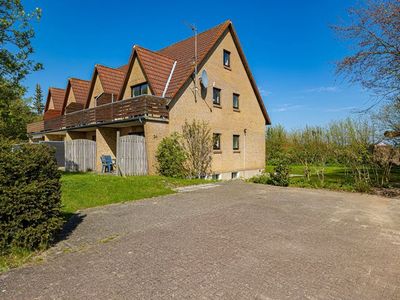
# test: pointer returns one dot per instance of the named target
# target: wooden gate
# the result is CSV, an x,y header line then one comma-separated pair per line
x,y
131,155
80,155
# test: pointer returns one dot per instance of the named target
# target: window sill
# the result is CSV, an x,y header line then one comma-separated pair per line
x,y
236,109
227,68
236,151
217,106
217,151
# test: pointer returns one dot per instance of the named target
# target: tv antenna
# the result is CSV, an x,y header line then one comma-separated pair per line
x,y
194,30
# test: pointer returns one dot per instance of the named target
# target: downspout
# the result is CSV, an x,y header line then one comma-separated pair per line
x,y
169,79
244,153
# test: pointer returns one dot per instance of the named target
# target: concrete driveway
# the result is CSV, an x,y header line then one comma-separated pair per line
x,y
233,241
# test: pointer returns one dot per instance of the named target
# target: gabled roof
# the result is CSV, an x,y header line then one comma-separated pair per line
x,y
157,66
183,53
57,95
111,81
80,89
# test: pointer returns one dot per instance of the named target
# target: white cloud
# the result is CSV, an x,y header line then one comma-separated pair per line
x,y
264,92
339,109
323,89
286,107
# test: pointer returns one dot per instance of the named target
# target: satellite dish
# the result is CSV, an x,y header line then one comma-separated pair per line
x,y
204,79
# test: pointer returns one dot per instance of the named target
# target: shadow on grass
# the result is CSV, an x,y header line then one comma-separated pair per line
x,y
72,220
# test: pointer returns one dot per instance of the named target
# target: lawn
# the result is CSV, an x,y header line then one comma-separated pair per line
x,y
84,190
336,178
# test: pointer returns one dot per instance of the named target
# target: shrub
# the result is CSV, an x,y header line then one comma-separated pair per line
x,y
262,179
281,176
30,197
197,142
171,157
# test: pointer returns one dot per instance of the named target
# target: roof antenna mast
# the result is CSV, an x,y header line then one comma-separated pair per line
x,y
194,29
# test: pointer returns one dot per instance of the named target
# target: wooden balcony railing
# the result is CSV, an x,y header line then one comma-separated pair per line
x,y
35,127
146,106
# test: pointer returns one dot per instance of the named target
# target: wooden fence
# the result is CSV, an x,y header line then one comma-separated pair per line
x,y
80,155
131,155
59,147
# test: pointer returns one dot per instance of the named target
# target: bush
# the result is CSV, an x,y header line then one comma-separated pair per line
x,y
281,176
171,157
30,197
262,179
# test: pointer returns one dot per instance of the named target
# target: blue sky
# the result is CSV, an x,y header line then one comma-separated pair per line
x,y
289,45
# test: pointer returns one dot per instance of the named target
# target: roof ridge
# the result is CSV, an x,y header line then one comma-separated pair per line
x,y
56,88
154,52
188,38
103,66
74,78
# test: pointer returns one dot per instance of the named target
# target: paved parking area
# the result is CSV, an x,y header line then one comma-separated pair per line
x,y
233,241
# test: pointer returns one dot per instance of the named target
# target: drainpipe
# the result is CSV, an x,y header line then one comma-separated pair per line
x,y
244,152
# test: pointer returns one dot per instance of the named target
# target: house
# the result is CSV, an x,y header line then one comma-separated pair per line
x,y
156,92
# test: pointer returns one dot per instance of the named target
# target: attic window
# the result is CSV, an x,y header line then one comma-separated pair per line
x,y
139,89
227,59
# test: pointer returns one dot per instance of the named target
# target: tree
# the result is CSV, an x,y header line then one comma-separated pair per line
x,y
375,63
38,105
388,121
276,142
197,143
16,33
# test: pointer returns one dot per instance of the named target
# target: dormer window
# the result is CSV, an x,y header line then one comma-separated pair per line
x,y
227,59
139,89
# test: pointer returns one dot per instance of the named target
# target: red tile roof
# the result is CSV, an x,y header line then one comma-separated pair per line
x,y
183,53
57,95
157,68
80,88
111,79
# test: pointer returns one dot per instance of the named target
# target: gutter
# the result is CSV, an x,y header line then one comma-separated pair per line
x,y
169,79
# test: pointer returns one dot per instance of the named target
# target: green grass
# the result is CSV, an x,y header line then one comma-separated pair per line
x,y
84,190
336,178
16,258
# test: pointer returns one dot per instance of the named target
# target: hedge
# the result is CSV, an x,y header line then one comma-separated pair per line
x,y
30,196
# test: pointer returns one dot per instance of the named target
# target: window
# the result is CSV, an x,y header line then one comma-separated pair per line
x,y
236,101
234,175
236,142
216,141
139,89
227,59
216,176
216,96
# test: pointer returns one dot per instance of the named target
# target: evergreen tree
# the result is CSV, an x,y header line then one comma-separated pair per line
x,y
38,105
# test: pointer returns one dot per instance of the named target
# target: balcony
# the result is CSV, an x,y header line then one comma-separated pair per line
x,y
142,106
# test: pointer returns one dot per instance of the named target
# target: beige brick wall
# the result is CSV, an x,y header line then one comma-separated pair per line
x,y
131,129
71,97
74,135
225,120
154,133
51,103
106,144
97,90
136,77
54,137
